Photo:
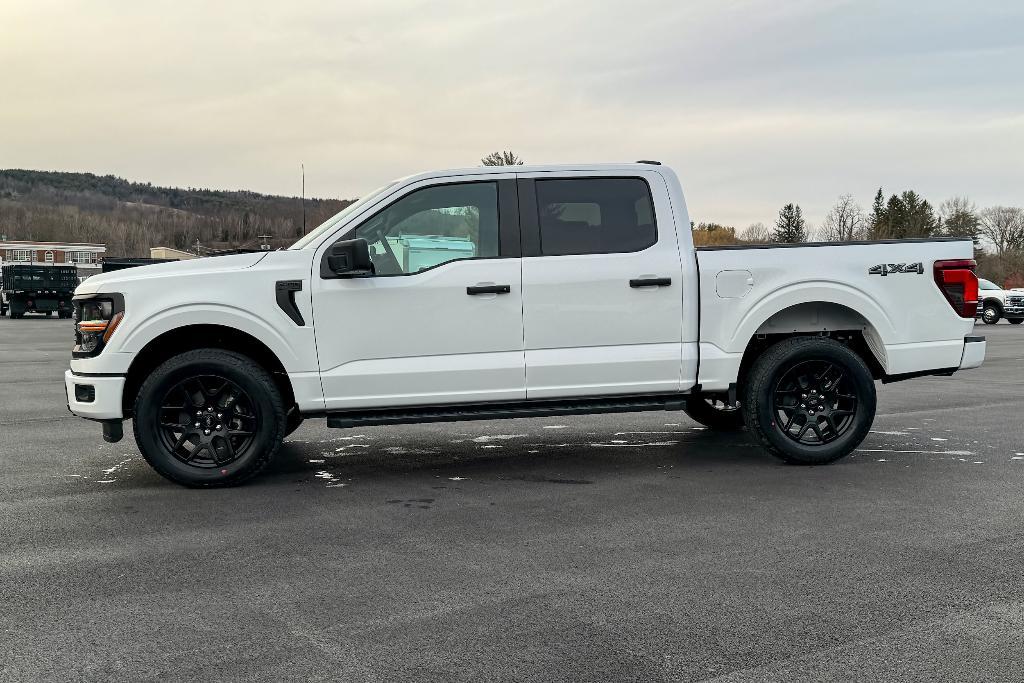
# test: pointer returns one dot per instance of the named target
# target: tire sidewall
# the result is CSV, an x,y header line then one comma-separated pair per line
x,y
862,419
147,411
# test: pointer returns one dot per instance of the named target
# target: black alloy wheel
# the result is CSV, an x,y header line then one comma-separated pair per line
x,y
207,421
809,400
209,417
814,402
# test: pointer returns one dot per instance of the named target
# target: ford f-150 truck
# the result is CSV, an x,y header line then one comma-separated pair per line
x,y
514,292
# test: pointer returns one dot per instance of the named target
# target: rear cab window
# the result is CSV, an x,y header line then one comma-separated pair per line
x,y
605,215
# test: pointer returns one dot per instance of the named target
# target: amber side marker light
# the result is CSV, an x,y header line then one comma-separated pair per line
x,y
101,326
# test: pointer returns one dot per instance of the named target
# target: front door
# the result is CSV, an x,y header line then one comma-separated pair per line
x,y
602,286
441,320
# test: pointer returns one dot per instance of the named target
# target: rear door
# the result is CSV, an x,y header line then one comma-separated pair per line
x,y
442,319
602,289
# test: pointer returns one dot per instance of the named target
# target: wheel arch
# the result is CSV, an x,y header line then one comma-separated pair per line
x,y
190,337
995,302
819,318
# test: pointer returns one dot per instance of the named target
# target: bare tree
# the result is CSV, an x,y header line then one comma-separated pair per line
x,y
959,218
844,222
506,158
756,232
1003,226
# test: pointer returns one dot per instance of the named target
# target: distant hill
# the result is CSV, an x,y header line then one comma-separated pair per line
x,y
131,217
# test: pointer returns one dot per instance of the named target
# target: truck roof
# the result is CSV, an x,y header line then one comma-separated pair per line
x,y
627,167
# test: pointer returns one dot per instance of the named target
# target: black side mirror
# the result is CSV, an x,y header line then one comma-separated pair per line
x,y
348,258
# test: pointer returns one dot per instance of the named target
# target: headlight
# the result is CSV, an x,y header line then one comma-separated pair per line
x,y
96,318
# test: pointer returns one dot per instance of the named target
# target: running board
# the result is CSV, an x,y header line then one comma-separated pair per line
x,y
504,411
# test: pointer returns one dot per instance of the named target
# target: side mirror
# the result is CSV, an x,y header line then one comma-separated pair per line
x,y
349,258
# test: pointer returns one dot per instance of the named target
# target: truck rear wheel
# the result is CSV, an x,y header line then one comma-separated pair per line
x,y
1016,321
809,400
714,413
209,418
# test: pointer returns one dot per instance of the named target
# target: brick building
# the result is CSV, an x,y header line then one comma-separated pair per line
x,y
87,257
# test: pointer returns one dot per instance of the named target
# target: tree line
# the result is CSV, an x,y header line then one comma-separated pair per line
x,y
997,231
132,217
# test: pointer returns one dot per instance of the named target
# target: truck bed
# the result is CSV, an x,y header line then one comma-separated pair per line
x,y
884,290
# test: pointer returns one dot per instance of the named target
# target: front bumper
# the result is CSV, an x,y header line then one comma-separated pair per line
x,y
105,395
974,352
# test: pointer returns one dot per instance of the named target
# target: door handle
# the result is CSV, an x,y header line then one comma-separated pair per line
x,y
650,282
488,289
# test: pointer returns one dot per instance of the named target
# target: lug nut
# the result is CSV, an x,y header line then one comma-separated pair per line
x,y
206,431
803,405
219,427
197,424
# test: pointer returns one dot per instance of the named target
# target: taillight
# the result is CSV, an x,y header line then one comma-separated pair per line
x,y
959,284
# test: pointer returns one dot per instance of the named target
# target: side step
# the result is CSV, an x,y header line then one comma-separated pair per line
x,y
504,411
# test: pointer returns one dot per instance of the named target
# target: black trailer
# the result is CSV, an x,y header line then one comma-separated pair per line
x,y
37,289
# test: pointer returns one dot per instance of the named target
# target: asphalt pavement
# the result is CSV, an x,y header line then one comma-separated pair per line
x,y
603,548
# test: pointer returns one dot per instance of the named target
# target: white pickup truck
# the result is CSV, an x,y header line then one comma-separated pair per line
x,y
514,292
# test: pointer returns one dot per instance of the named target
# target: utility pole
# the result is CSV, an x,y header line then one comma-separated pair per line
x,y
303,199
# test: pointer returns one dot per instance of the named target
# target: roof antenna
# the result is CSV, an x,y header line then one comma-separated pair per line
x,y
303,199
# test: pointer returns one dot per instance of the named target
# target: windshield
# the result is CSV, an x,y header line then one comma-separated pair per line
x,y
337,218
985,284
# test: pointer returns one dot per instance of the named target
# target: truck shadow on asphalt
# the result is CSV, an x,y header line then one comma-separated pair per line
x,y
577,460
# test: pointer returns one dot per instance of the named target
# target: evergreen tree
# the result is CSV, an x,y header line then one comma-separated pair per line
x,y
791,226
909,215
878,221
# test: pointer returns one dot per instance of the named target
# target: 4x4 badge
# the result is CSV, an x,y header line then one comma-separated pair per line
x,y
884,269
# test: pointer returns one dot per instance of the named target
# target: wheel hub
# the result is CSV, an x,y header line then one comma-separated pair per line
x,y
207,421
813,404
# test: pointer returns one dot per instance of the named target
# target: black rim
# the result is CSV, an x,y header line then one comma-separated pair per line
x,y
207,421
814,402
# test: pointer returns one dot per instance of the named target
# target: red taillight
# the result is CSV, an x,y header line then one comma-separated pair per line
x,y
959,284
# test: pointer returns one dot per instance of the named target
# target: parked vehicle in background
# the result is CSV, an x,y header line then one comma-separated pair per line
x,y
505,292
994,303
37,289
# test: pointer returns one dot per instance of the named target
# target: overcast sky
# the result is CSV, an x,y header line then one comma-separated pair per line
x,y
755,103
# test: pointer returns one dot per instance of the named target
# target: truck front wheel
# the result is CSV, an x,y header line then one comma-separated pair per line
x,y
209,418
990,314
809,400
714,413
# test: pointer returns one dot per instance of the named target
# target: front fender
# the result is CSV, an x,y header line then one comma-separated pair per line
x,y
137,337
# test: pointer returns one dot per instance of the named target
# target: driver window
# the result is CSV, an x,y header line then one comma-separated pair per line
x,y
432,226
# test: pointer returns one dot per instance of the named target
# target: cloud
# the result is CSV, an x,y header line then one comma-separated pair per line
x,y
756,103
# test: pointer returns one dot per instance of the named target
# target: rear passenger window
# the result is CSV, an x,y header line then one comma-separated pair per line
x,y
595,216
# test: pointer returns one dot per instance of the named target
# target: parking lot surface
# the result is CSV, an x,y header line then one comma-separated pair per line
x,y
617,547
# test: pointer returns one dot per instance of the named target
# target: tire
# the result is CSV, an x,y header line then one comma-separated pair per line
x,y
845,406
234,401
293,421
714,414
1016,321
990,314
